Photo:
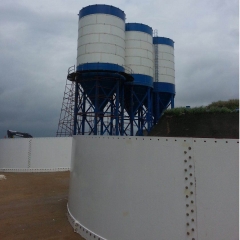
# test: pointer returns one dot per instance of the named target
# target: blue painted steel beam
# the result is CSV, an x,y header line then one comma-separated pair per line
x,y
111,106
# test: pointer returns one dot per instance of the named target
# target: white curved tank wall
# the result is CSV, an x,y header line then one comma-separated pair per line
x,y
140,187
152,188
101,38
166,66
216,173
139,51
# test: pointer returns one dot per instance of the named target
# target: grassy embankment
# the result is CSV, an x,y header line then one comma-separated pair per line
x,y
217,120
230,106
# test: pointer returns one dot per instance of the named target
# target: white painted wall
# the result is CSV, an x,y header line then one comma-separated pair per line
x,y
140,187
154,188
217,197
35,154
14,153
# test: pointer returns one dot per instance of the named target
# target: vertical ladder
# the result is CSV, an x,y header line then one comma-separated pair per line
x,y
65,124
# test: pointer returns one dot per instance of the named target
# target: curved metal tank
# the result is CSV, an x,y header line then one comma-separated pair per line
x,y
139,57
164,79
101,46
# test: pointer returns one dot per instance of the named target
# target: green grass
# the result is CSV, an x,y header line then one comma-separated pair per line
x,y
229,106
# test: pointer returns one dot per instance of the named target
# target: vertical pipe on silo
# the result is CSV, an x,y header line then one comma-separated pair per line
x,y
122,109
131,110
84,115
96,110
117,108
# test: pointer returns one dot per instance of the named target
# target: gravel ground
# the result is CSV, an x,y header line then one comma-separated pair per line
x,y
34,206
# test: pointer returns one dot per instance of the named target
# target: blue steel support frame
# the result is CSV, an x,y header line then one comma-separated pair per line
x,y
140,118
111,113
160,107
172,101
121,112
85,110
75,109
117,109
81,102
96,109
149,110
157,107
131,112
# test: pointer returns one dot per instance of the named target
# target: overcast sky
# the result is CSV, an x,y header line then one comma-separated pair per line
x,y
38,43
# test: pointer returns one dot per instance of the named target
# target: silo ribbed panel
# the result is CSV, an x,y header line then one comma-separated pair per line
x,y
166,68
101,38
139,52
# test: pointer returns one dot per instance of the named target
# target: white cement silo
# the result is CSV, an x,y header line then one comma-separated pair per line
x,y
101,38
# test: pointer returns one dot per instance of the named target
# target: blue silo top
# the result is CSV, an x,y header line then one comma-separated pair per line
x,y
163,40
102,8
138,27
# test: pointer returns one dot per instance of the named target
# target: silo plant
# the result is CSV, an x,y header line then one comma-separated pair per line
x,y
124,77
164,79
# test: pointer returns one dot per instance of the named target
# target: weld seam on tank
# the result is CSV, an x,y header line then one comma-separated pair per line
x,y
99,53
102,43
95,24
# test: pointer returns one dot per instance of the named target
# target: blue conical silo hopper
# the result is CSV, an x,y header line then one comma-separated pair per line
x,y
163,95
99,81
139,88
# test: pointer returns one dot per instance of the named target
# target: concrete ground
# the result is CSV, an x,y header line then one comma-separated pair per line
x,y
34,206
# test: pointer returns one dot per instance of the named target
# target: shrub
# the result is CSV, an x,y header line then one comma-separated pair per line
x,y
231,104
215,107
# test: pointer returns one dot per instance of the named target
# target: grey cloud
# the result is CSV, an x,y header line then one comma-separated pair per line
x,y
35,54
38,42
